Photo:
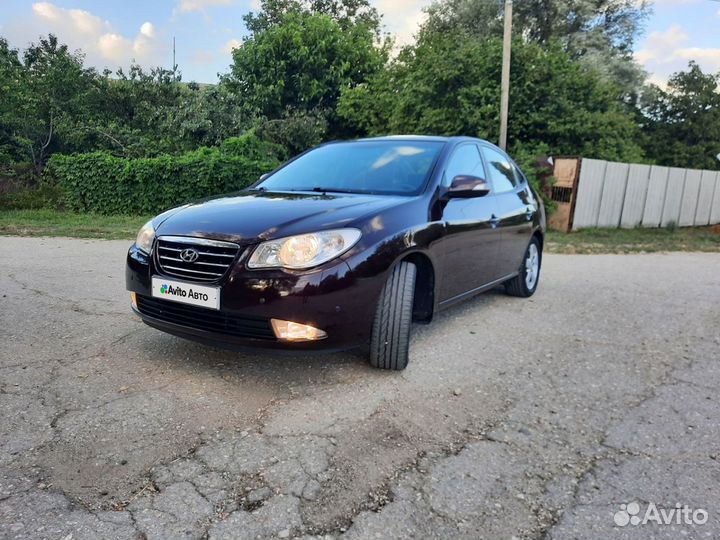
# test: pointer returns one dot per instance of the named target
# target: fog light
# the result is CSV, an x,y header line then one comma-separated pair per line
x,y
133,299
292,331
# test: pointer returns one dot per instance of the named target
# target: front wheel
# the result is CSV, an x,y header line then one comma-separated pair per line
x,y
526,282
390,338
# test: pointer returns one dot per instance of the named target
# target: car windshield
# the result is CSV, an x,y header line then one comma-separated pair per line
x,y
378,167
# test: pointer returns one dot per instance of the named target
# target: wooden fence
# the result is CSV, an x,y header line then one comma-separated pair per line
x,y
609,194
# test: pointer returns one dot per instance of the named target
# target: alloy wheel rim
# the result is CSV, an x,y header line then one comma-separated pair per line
x,y
532,266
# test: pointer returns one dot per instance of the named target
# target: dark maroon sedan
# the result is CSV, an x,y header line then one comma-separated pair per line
x,y
345,245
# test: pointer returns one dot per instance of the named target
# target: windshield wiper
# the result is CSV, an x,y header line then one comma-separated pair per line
x,y
332,190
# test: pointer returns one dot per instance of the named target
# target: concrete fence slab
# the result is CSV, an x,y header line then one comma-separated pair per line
x,y
688,206
590,187
705,198
715,210
613,194
635,196
673,197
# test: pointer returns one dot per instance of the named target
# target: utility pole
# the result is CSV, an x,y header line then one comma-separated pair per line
x,y
505,80
174,64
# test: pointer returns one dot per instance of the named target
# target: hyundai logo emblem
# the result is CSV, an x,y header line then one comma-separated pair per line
x,y
189,255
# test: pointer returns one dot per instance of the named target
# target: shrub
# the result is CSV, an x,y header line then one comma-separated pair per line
x,y
100,182
250,146
46,195
21,188
295,132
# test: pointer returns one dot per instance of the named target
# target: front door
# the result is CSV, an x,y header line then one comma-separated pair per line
x,y
515,209
471,242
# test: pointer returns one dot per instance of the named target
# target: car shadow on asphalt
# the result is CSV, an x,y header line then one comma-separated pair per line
x,y
298,365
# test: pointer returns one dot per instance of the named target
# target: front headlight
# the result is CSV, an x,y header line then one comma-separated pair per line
x,y
145,237
304,250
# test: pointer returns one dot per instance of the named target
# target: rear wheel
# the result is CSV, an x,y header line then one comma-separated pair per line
x,y
526,282
390,339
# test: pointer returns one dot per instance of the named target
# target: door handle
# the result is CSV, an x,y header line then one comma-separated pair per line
x,y
494,221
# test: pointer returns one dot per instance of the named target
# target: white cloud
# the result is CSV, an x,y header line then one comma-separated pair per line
x,y
230,45
148,30
660,45
81,21
45,9
102,45
664,53
709,59
187,6
114,47
402,17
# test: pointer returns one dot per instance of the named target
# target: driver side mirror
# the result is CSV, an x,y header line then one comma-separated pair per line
x,y
465,186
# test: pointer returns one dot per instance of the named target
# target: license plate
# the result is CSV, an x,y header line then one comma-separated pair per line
x,y
186,293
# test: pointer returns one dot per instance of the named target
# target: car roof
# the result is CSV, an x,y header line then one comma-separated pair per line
x,y
428,138
407,138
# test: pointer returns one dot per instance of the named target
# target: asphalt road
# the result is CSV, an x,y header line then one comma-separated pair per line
x,y
515,419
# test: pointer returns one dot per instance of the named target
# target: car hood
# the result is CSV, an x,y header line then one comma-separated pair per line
x,y
254,216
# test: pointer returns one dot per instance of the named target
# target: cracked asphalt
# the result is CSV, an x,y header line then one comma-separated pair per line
x,y
515,419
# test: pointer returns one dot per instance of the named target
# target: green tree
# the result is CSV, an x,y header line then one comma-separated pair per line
x,y
681,125
300,63
598,33
347,13
450,85
12,89
146,113
51,88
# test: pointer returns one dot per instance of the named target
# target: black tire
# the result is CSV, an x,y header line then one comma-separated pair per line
x,y
518,286
390,339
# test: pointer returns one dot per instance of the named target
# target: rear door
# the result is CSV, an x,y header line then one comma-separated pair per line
x,y
515,209
471,242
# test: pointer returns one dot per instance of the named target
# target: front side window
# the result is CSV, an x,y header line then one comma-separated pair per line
x,y
465,160
502,173
377,167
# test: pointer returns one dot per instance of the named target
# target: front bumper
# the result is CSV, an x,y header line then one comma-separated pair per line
x,y
333,298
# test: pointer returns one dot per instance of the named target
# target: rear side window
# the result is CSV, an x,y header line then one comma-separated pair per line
x,y
502,172
519,176
465,160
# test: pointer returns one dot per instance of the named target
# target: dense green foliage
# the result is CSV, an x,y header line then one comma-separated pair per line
x,y
106,184
311,70
43,97
682,124
449,85
597,33
300,64
51,103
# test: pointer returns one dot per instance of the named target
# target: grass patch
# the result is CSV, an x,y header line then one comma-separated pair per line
x,y
635,240
54,223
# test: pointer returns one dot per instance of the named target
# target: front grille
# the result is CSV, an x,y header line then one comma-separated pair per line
x,y
205,319
214,257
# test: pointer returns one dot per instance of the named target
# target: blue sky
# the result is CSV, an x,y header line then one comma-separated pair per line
x,y
111,32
